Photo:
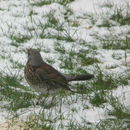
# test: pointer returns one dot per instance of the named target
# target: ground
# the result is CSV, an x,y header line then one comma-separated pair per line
x,y
75,37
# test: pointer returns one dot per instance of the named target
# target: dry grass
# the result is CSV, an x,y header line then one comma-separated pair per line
x,y
13,125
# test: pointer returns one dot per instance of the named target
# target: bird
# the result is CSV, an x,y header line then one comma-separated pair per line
x,y
46,79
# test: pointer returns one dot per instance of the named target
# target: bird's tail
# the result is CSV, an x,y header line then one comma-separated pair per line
x,y
79,77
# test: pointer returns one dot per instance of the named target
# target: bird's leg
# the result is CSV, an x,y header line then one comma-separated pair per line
x,y
42,99
60,105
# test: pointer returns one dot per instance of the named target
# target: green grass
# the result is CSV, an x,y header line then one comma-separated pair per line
x,y
42,3
106,23
47,2
10,91
119,17
112,124
62,33
108,81
115,44
99,98
17,99
70,57
102,85
33,122
107,4
77,126
17,40
16,64
59,37
52,20
84,60
121,118
6,80
74,23
119,111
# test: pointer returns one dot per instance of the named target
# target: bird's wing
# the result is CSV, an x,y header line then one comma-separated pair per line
x,y
52,76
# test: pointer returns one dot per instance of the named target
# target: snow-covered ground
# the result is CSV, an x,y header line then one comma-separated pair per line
x,y
21,20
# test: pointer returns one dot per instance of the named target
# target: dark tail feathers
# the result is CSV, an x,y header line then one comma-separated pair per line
x,y
79,77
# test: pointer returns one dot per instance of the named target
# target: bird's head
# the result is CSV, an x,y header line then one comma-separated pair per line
x,y
34,57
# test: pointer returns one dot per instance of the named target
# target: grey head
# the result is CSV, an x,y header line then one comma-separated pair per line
x,y
34,57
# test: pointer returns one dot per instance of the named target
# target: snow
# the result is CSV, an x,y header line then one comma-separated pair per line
x,y
123,94
3,116
93,6
15,19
